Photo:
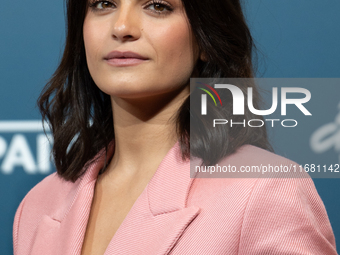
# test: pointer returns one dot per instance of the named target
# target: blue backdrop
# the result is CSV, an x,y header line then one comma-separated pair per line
x,y
295,39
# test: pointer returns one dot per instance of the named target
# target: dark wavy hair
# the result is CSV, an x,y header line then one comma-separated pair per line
x,y
80,114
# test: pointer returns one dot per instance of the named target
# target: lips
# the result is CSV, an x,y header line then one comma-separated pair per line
x,y
124,59
123,55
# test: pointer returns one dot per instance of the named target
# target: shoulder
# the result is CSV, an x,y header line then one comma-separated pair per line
x,y
272,189
284,214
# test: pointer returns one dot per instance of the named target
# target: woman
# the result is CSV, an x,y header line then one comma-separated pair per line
x,y
118,106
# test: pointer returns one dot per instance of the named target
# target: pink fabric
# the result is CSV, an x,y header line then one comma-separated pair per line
x,y
176,214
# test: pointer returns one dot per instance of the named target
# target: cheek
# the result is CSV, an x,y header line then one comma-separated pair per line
x,y
175,48
176,39
93,38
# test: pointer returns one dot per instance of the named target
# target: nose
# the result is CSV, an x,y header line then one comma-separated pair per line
x,y
126,24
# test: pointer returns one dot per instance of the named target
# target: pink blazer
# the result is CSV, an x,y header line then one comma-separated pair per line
x,y
176,214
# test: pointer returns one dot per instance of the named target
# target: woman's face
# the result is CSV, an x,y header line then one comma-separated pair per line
x,y
157,30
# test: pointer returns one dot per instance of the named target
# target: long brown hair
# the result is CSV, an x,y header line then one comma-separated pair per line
x,y
80,115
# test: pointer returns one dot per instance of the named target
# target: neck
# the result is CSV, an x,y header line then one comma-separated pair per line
x,y
145,130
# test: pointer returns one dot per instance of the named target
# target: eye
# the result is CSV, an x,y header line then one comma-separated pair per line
x,y
102,5
160,7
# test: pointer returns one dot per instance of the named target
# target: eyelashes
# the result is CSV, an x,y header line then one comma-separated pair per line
x,y
160,7
100,5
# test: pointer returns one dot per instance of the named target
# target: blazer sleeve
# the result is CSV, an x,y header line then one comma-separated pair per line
x,y
286,216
